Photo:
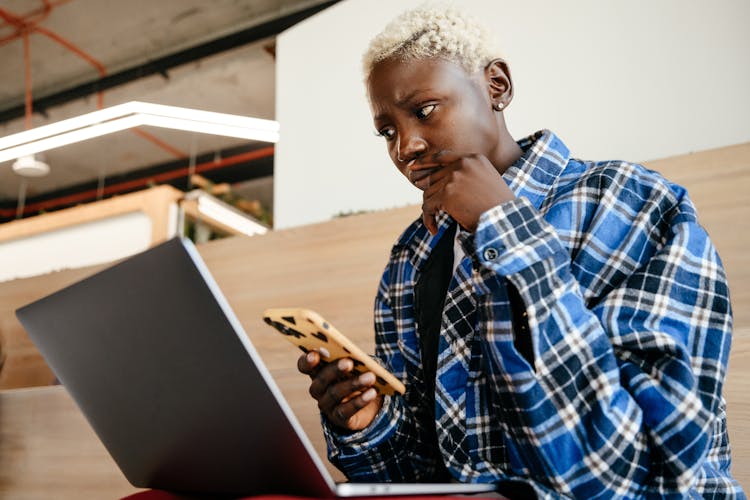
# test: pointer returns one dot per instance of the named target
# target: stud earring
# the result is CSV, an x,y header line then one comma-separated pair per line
x,y
498,106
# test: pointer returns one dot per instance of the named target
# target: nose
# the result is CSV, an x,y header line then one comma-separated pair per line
x,y
409,146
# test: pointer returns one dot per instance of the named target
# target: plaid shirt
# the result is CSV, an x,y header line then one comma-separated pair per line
x,y
629,317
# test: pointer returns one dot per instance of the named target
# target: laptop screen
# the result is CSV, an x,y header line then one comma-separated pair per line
x,y
163,371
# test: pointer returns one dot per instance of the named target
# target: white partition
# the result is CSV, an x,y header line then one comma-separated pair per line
x,y
88,234
81,245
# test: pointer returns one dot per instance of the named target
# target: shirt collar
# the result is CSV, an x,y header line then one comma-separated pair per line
x,y
418,240
536,171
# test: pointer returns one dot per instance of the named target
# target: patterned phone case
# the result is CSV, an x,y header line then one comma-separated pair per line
x,y
309,331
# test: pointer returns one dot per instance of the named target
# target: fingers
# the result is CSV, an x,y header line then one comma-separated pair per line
x,y
435,160
328,375
347,414
464,186
421,178
308,363
426,171
335,382
348,400
432,202
430,222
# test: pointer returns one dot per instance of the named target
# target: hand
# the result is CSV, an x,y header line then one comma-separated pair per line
x,y
463,185
347,400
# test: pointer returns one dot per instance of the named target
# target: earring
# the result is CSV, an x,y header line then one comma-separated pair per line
x,y
498,106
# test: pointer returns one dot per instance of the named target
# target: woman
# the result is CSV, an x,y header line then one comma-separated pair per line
x,y
561,322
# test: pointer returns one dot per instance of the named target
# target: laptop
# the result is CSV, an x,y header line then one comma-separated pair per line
x,y
158,363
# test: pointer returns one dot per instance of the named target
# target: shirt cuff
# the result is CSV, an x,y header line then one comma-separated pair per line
x,y
379,429
512,236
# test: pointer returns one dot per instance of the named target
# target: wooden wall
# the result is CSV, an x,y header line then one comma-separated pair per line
x,y
334,268
719,184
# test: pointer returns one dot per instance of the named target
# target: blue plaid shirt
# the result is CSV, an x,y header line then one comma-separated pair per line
x,y
629,316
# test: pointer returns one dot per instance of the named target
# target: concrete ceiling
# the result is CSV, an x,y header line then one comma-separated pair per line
x,y
127,38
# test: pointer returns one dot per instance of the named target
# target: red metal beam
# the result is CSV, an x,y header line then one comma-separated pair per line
x,y
134,184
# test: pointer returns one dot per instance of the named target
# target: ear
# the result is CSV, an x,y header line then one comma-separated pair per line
x,y
499,84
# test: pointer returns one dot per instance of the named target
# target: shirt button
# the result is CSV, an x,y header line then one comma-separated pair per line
x,y
490,253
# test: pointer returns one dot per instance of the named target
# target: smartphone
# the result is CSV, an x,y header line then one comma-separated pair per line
x,y
310,332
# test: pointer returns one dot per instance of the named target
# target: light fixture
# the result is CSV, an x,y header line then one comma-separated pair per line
x,y
134,114
201,205
29,166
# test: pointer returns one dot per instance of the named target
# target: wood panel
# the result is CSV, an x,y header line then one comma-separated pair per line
x,y
48,450
736,392
153,202
719,184
24,366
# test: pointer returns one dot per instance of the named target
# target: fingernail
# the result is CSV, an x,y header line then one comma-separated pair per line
x,y
345,364
310,357
367,378
369,394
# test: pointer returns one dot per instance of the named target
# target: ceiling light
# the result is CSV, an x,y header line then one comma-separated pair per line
x,y
134,114
213,210
28,166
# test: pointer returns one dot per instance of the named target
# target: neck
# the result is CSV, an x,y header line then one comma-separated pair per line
x,y
507,151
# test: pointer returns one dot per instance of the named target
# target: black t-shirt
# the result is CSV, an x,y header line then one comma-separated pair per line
x,y
429,299
430,292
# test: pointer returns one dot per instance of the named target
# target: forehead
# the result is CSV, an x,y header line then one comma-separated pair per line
x,y
394,80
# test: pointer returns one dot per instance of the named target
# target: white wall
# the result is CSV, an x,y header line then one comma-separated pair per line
x,y
622,79
85,244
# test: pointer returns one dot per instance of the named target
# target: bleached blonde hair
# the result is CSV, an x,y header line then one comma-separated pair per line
x,y
433,30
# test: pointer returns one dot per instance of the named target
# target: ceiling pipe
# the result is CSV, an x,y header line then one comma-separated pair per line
x,y
43,13
26,166
135,184
26,26
80,53
27,78
163,64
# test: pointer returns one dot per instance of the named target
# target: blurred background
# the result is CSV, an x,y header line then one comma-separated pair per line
x,y
622,80
64,58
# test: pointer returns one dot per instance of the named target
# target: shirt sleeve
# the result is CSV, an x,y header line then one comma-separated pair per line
x,y
623,389
392,448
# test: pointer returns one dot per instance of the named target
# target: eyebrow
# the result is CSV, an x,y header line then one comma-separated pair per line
x,y
401,102
408,97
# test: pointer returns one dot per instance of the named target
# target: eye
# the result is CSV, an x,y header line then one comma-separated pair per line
x,y
423,112
387,132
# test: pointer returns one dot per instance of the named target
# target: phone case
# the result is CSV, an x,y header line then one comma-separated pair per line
x,y
309,331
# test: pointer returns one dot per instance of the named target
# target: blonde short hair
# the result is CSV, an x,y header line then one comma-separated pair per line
x,y
433,31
